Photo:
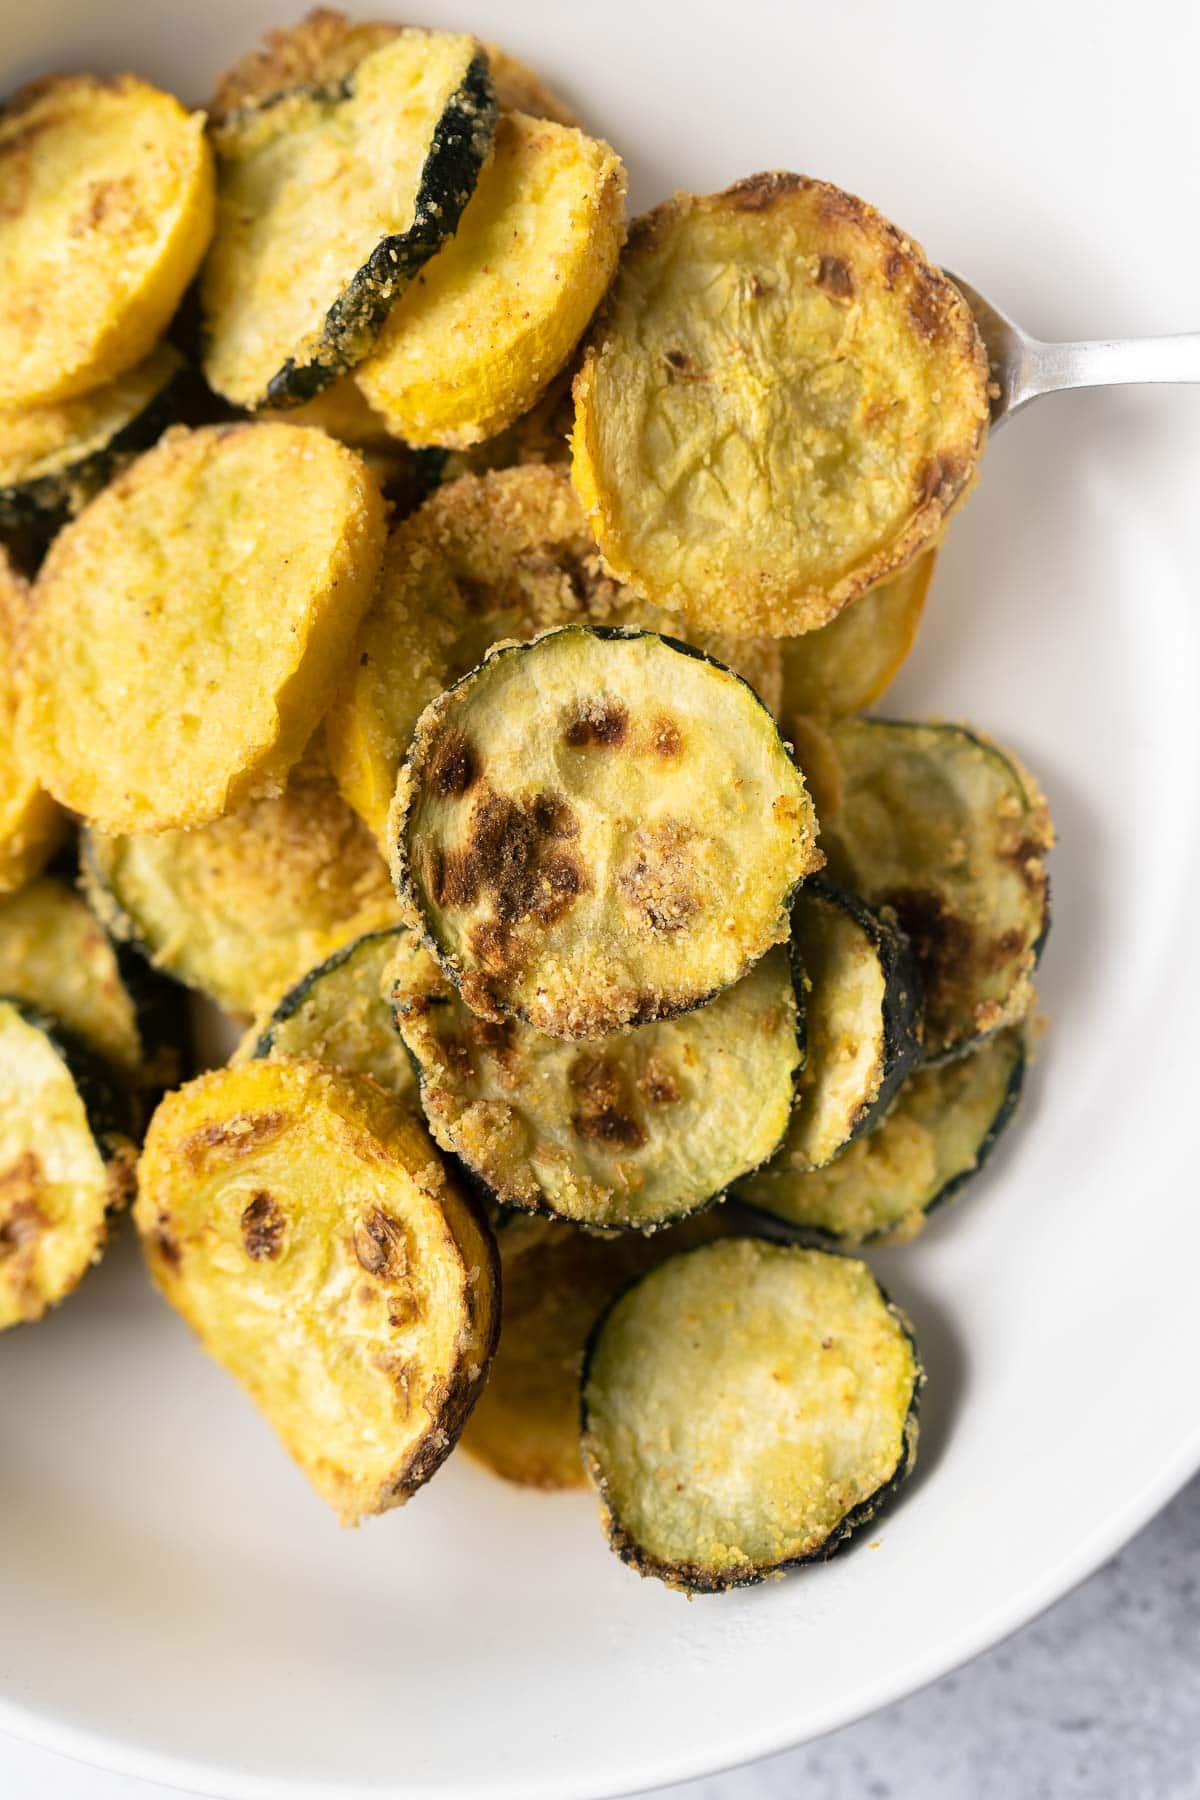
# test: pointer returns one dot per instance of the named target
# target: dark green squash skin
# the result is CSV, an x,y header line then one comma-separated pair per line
x,y
457,153
694,1578
296,996
406,890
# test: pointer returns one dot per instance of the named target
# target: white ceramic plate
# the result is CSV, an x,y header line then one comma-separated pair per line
x,y
175,1603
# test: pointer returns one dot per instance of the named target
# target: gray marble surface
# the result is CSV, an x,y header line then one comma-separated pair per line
x,y
1097,1700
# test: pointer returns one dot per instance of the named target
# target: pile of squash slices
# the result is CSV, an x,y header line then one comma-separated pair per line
x,y
438,626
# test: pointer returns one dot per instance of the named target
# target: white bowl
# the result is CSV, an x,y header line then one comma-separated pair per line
x,y
175,1602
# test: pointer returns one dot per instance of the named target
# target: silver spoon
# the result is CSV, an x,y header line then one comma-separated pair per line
x,y
1023,368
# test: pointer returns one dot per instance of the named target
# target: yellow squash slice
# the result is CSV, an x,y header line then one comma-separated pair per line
x,y
187,634
301,1221
108,209
845,666
495,315
31,825
782,405
486,558
597,829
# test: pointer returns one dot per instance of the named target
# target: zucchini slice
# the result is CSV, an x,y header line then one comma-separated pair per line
x,y
495,315
65,1163
108,190
341,1014
485,558
557,1281
357,184
781,406
629,1133
31,825
845,666
190,565
948,829
242,908
301,1221
747,1406
941,1129
54,458
599,829
862,1027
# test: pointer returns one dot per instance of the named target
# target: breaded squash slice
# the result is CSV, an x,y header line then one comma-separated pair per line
x,y
188,634
65,1162
494,316
108,210
485,558
630,1133
845,666
31,825
747,1406
781,406
54,458
329,201
326,47
597,829
939,1131
945,827
304,1225
243,907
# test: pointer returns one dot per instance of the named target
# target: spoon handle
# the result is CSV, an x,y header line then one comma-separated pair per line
x,y
1110,362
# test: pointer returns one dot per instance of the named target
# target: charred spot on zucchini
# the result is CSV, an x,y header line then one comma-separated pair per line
x,y
359,184
486,558
340,1013
845,666
627,1133
108,190
781,405
947,828
939,1132
301,1206
243,907
496,313
31,825
598,829
746,1407
190,565
65,1161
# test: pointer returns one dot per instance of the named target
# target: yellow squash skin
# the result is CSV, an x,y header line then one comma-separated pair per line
x,y
31,825
187,636
597,829
491,557
781,405
845,666
301,1221
108,211
494,316
243,907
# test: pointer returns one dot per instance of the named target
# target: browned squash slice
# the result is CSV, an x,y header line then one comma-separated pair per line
x,y
31,825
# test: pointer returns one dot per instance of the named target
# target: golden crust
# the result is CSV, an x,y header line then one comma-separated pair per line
x,y
108,209
190,566
781,405
31,825
491,557
291,1204
845,666
493,317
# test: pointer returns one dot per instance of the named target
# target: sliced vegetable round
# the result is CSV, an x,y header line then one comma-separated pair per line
x,y
941,1129
245,906
495,315
484,559
300,1220
31,825
747,1406
65,1164
598,829
341,1014
108,189
190,567
357,185
845,666
781,406
632,1132
948,829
